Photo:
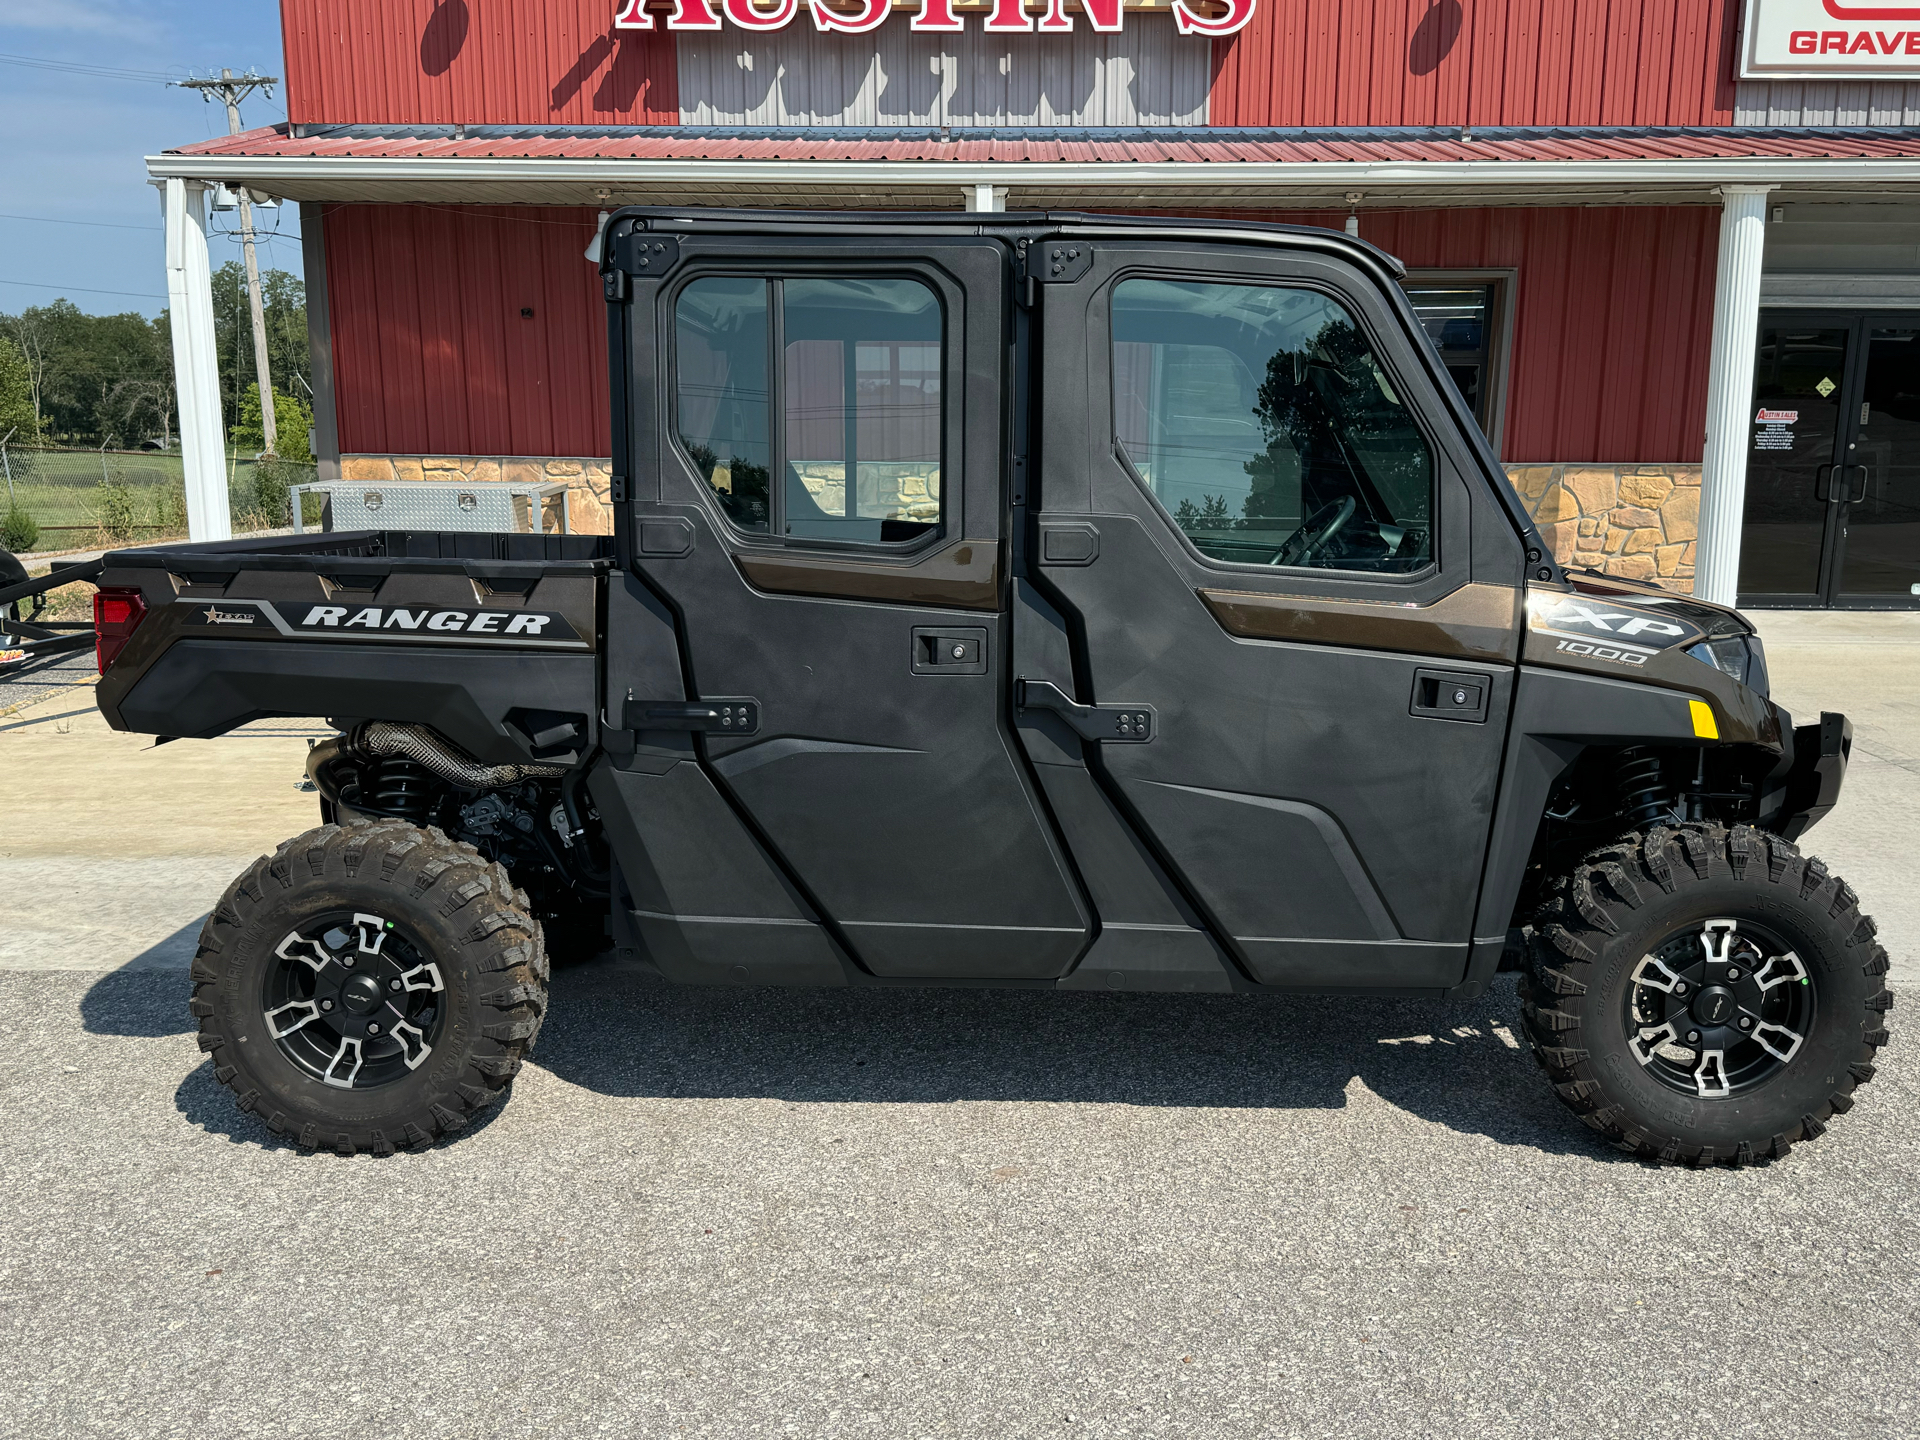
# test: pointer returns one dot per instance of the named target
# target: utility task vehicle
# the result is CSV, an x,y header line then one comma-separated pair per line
x,y
1035,600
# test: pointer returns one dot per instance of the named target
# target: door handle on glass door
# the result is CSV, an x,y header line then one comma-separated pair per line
x,y
1821,474
1854,499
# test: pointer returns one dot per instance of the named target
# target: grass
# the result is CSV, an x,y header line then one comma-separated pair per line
x,y
68,602
84,500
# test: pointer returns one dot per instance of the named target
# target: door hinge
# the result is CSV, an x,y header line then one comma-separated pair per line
x,y
1120,723
1054,262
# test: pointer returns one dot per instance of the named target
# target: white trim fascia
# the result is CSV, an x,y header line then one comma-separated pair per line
x,y
699,173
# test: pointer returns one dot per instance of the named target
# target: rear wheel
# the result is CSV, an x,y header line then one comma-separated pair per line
x,y
1700,995
369,986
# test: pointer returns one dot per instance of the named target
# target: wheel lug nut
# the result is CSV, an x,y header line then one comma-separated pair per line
x,y
373,1028
1734,973
1694,1035
1680,988
346,960
393,985
326,1005
1746,1023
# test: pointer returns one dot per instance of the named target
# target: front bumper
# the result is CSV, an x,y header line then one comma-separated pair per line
x,y
1806,785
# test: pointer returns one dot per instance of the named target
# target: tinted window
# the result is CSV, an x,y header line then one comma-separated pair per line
x,y
858,446
1260,418
722,360
862,382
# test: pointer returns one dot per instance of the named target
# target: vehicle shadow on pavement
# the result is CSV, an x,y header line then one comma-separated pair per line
x,y
148,995
204,1102
620,1033
1457,1063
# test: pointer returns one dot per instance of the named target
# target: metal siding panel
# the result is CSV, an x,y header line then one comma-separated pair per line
x,y
1484,31
1619,392
1512,62
1522,64
349,316
432,355
517,62
1655,62
442,287
1619,32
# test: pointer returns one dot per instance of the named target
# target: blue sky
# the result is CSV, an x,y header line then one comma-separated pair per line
x,y
71,144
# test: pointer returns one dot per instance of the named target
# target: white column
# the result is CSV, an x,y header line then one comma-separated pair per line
x,y
196,370
986,197
1724,461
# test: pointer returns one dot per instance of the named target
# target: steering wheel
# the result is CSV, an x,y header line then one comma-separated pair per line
x,y
1315,533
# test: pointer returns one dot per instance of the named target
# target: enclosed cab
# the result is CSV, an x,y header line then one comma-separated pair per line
x,y
1049,601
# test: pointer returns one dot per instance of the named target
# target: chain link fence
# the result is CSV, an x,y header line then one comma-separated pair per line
x,y
59,499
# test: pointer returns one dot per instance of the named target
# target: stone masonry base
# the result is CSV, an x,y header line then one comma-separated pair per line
x,y
1636,521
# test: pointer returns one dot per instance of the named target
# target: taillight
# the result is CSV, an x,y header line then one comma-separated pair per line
x,y
117,613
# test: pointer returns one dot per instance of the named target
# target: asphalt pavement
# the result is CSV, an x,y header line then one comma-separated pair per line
x,y
756,1212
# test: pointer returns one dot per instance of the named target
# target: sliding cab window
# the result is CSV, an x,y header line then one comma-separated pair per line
x,y
850,447
1261,420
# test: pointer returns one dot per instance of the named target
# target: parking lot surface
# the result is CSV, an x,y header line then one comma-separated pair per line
x,y
752,1212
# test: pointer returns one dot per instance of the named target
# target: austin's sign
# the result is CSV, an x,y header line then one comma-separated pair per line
x,y
852,17
1830,39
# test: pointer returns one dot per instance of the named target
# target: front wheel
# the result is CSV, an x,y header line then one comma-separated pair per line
x,y
1699,994
369,986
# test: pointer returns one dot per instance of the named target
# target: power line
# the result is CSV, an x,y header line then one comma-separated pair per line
x,y
99,224
102,72
85,289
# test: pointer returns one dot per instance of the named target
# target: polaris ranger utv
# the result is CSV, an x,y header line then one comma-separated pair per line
x,y
1034,600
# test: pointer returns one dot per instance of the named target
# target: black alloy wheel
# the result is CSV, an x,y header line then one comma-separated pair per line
x,y
1718,1010
350,1001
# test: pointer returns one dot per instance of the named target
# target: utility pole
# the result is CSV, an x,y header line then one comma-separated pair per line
x,y
233,89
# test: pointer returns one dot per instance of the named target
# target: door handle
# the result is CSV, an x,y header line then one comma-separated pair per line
x,y
1854,499
1821,474
733,715
1120,723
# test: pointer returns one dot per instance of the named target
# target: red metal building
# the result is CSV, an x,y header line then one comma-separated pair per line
x,y
1608,209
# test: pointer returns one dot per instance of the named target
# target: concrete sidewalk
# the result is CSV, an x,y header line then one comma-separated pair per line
x,y
113,849
1868,666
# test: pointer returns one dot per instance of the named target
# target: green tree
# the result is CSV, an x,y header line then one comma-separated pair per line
x,y
283,303
16,394
292,418
76,362
92,377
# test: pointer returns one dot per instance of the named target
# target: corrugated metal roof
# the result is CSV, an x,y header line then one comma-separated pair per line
x,y
1201,146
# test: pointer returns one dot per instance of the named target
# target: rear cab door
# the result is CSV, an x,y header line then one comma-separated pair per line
x,y
1263,551
818,435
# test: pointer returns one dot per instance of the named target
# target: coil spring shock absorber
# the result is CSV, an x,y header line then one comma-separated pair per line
x,y
1645,796
401,788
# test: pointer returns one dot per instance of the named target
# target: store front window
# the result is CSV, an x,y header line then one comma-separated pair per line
x,y
1464,315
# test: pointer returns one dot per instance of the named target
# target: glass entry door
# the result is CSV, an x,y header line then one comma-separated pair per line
x,y
1833,512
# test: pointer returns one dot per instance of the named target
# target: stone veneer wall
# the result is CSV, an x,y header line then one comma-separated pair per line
x,y
1636,521
588,479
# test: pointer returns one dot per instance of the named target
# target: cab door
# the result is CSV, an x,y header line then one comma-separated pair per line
x,y
817,500
1289,622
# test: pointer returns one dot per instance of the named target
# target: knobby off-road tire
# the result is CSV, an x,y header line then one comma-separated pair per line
x,y
369,986
1626,946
